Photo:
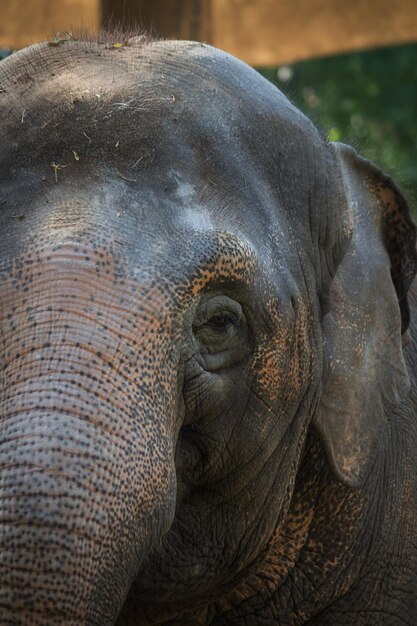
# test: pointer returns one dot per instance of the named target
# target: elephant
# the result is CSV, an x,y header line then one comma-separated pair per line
x,y
208,364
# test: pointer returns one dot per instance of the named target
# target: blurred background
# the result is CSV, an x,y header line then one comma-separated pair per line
x,y
350,65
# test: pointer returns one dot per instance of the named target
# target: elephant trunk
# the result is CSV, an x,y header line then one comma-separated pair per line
x,y
87,475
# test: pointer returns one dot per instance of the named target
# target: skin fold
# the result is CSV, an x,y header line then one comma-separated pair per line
x,y
207,363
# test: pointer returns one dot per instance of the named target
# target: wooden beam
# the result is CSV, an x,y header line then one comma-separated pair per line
x,y
22,24
179,19
261,32
271,32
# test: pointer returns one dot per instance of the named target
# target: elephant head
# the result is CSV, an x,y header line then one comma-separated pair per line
x,y
191,281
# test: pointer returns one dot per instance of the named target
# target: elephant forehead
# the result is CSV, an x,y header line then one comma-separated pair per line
x,y
87,74
175,226
129,109
172,129
75,238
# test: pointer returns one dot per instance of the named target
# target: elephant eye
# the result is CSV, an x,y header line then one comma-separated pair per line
x,y
222,321
220,328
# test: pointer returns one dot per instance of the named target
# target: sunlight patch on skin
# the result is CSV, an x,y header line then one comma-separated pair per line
x,y
193,215
185,192
197,219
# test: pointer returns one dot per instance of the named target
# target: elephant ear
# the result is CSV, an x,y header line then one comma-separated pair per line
x,y
365,314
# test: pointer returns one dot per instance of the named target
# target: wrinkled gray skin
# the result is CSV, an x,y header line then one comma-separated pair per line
x,y
206,415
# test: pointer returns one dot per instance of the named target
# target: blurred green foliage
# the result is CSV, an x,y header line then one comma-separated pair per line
x,y
366,99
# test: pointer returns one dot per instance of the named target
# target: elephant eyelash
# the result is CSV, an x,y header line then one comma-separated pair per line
x,y
222,320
